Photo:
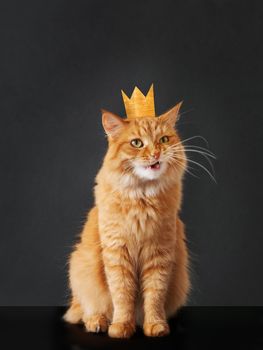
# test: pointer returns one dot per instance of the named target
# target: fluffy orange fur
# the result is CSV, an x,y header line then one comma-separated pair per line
x,y
131,264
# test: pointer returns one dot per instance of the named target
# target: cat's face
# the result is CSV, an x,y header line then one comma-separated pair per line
x,y
147,148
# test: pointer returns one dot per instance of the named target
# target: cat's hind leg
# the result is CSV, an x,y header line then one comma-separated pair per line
x,y
89,284
88,281
74,314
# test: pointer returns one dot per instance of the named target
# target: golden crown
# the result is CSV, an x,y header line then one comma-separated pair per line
x,y
139,105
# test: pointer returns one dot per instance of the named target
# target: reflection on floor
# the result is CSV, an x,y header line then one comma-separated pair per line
x,y
194,328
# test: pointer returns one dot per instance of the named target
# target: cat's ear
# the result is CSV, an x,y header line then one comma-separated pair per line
x,y
172,115
112,123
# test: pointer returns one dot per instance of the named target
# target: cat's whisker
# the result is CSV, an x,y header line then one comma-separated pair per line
x,y
199,147
201,166
200,150
191,138
205,155
180,145
196,151
193,147
185,168
210,163
171,160
185,151
201,153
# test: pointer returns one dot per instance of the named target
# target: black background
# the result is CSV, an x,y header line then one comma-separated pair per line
x,y
61,61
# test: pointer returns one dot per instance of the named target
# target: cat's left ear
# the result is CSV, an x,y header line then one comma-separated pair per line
x,y
172,115
112,123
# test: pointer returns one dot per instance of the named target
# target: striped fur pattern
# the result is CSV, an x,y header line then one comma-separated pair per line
x,y
131,265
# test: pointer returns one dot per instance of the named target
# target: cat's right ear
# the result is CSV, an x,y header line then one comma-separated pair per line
x,y
112,123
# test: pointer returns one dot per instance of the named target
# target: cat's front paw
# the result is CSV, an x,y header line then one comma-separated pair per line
x,y
96,323
121,330
156,329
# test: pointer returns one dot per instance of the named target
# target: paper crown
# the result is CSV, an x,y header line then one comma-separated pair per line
x,y
139,105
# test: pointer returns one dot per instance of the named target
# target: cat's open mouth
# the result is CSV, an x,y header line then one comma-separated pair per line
x,y
154,166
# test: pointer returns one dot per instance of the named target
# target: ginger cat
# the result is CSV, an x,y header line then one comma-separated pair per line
x,y
131,265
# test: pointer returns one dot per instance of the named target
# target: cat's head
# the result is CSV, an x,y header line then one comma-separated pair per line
x,y
148,148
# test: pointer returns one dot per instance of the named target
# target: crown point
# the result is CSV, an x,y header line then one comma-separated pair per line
x,y
150,92
139,105
136,92
123,94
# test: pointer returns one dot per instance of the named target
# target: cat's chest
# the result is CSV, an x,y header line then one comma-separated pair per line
x,y
141,217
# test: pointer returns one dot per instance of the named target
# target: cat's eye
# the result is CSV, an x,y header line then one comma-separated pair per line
x,y
137,143
164,139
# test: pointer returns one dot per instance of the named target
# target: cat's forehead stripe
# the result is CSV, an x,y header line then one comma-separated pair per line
x,y
148,127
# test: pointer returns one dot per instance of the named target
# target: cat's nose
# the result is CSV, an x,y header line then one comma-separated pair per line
x,y
156,155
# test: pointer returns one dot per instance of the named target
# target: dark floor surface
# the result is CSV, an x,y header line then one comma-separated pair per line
x,y
194,328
